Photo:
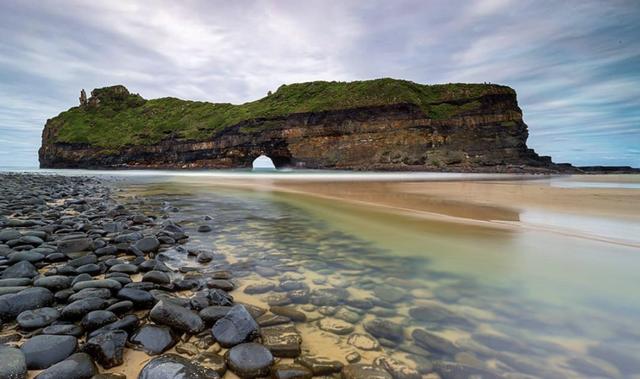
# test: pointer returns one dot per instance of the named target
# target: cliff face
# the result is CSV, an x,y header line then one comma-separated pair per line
x,y
481,131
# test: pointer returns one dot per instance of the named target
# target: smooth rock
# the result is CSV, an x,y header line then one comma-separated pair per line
x,y
107,348
385,329
290,371
147,244
213,313
249,360
22,269
12,363
433,343
12,305
154,339
172,366
283,340
236,327
140,298
177,317
77,366
45,350
97,319
364,371
37,318
79,308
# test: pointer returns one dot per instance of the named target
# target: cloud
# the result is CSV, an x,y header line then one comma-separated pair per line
x,y
575,65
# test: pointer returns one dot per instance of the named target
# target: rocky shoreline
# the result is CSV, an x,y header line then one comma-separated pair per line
x,y
82,280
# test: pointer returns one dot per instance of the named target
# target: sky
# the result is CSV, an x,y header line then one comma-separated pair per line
x,y
574,64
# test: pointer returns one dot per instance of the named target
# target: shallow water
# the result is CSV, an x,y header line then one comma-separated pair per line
x,y
523,300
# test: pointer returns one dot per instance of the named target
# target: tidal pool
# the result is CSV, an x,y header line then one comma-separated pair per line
x,y
520,289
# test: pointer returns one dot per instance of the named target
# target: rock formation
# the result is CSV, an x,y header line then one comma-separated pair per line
x,y
383,124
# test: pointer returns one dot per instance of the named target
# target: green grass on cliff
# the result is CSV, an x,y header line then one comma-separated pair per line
x,y
121,121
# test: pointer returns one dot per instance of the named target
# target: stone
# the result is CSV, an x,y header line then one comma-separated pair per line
x,y
397,369
128,323
236,327
75,245
172,366
12,305
249,360
37,318
320,365
12,363
353,357
433,343
283,341
385,329
204,256
154,339
290,371
77,366
9,234
107,348
45,350
139,298
335,326
22,269
97,319
363,342
204,229
219,297
109,284
121,307
272,320
157,277
79,308
126,268
54,282
177,317
258,288
29,256
457,370
289,312
187,349
213,313
364,371
64,329
147,244
223,284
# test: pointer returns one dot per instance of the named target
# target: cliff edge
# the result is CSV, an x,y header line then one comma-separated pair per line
x,y
382,124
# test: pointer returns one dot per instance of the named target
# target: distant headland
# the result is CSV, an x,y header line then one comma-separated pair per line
x,y
382,124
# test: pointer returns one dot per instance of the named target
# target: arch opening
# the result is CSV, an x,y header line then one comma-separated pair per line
x,y
263,163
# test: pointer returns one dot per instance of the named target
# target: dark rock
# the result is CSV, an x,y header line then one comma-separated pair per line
x,y
290,371
29,256
272,320
219,297
433,343
64,329
223,284
154,339
101,283
204,229
107,348
97,319
385,329
177,317
12,305
141,299
12,363
157,277
213,313
172,366
364,371
77,366
45,350
79,308
21,269
15,282
249,360
121,307
236,327
126,268
254,289
128,323
147,244
319,365
75,245
289,312
9,234
397,369
283,341
37,318
54,282
102,293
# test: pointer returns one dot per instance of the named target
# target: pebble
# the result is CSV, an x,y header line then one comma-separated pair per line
x,y
249,360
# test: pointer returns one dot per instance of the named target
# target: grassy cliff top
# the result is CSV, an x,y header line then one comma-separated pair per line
x,y
121,118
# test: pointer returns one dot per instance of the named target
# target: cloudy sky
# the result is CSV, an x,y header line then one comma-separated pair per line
x,y
574,64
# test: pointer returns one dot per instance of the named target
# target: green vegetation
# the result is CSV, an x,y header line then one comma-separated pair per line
x,y
122,119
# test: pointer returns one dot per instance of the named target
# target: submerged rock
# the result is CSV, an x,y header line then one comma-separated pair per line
x,y
249,360
364,371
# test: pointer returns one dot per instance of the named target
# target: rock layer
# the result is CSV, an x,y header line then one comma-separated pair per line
x,y
480,131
